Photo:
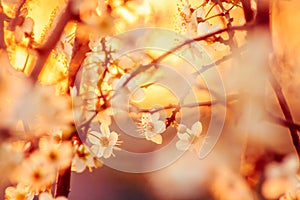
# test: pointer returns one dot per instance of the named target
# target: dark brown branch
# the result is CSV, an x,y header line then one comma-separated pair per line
x,y
282,122
16,20
45,50
263,13
263,20
2,18
63,183
248,12
172,118
285,110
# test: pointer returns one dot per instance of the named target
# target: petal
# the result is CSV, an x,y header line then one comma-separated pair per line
x,y
159,127
200,12
90,161
61,198
108,152
113,138
28,25
45,196
197,128
182,145
95,149
183,136
156,139
203,28
101,151
93,137
9,191
155,117
79,165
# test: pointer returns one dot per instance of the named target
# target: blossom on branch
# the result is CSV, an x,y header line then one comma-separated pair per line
x,y
281,178
83,159
151,127
58,154
19,192
104,142
35,172
189,138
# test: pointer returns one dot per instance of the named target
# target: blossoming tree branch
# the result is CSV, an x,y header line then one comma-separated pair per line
x,y
66,86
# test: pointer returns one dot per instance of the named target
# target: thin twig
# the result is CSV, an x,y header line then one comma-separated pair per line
x,y
282,122
219,61
229,98
143,68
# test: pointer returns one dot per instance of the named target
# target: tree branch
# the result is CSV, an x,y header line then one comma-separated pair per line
x,y
45,50
285,110
219,61
143,68
2,18
63,183
248,12
229,98
81,47
282,122
14,22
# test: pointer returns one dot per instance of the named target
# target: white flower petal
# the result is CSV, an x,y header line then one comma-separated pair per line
x,y
159,127
155,117
156,139
197,128
203,28
95,149
183,136
108,152
182,145
100,151
113,139
79,165
200,12
28,25
45,196
93,137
